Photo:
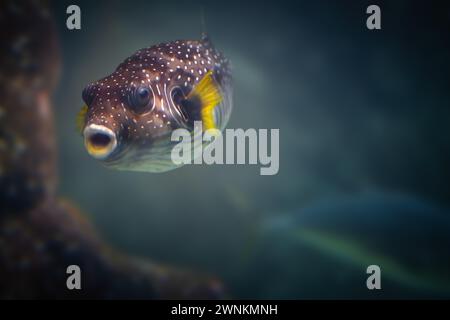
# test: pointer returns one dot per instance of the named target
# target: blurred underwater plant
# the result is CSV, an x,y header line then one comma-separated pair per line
x,y
323,250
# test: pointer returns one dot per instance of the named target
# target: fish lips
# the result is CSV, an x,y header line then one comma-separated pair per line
x,y
101,142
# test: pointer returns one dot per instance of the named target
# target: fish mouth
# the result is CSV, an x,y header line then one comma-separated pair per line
x,y
100,141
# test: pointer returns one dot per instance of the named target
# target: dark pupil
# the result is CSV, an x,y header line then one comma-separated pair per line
x,y
140,99
143,93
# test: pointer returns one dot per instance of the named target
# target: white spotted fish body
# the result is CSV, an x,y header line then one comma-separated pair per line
x,y
130,115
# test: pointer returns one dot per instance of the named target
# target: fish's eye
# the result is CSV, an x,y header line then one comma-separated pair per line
x,y
88,94
141,99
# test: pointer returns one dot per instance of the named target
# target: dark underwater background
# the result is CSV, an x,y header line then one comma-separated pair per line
x,y
364,147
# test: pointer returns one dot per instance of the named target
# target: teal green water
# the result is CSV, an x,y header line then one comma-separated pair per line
x,y
359,114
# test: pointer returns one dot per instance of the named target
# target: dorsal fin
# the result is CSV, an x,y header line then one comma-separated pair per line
x,y
206,41
205,37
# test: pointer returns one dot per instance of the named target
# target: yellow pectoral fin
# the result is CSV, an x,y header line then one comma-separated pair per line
x,y
81,116
208,93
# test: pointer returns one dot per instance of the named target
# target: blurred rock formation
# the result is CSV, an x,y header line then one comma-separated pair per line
x,y
41,235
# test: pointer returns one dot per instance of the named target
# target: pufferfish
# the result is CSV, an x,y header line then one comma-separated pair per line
x,y
129,116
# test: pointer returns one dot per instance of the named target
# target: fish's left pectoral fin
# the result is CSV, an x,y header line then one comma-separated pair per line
x,y
81,118
208,94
